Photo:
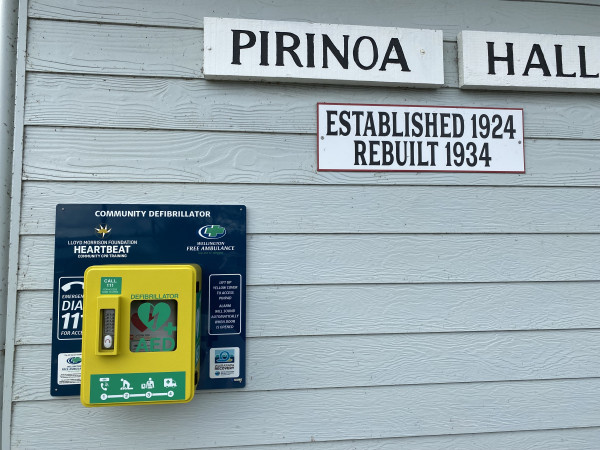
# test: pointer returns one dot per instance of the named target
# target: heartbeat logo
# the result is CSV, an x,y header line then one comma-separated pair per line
x,y
102,230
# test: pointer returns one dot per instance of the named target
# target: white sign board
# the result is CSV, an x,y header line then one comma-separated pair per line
x,y
389,138
264,50
528,61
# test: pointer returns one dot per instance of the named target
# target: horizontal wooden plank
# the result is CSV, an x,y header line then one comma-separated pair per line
x,y
378,309
449,16
308,259
114,49
80,154
382,360
573,439
371,259
198,104
358,209
317,415
134,50
75,47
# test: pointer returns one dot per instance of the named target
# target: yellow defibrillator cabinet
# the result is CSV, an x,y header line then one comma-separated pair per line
x,y
141,334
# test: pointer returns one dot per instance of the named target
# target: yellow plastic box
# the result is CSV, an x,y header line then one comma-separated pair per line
x,y
141,334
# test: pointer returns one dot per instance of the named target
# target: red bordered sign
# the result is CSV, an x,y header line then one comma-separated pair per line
x,y
408,138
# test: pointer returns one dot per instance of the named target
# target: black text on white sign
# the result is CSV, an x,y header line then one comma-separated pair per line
x,y
419,139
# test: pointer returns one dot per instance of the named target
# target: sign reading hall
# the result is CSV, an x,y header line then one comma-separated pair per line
x,y
528,61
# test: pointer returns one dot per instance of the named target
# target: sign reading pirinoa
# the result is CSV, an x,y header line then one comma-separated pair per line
x,y
311,52
388,138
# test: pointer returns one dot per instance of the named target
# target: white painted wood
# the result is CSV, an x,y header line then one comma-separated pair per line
x,y
242,49
379,309
386,360
345,209
528,61
574,439
153,103
360,259
315,414
213,157
115,49
450,16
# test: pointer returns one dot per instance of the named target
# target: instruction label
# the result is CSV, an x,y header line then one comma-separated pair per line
x,y
225,304
137,387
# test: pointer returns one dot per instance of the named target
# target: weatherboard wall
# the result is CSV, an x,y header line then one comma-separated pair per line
x,y
396,310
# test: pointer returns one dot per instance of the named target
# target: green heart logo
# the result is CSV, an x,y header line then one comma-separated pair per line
x,y
154,316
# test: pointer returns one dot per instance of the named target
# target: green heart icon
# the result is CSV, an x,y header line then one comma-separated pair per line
x,y
154,316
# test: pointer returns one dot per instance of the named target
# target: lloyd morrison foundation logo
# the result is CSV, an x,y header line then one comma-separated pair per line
x,y
212,232
102,230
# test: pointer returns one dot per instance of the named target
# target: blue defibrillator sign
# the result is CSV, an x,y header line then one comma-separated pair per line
x,y
210,236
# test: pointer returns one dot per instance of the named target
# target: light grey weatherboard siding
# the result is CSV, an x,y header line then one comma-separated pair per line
x,y
309,209
75,47
451,16
198,104
317,362
385,311
317,414
370,309
151,156
573,439
359,259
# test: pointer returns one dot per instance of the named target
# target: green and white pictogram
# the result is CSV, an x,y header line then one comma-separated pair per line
x,y
137,387
153,326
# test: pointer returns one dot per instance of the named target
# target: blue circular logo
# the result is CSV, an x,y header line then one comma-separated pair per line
x,y
212,232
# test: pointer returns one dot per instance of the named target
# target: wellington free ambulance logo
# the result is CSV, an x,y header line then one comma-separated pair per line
x,y
212,232
102,230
